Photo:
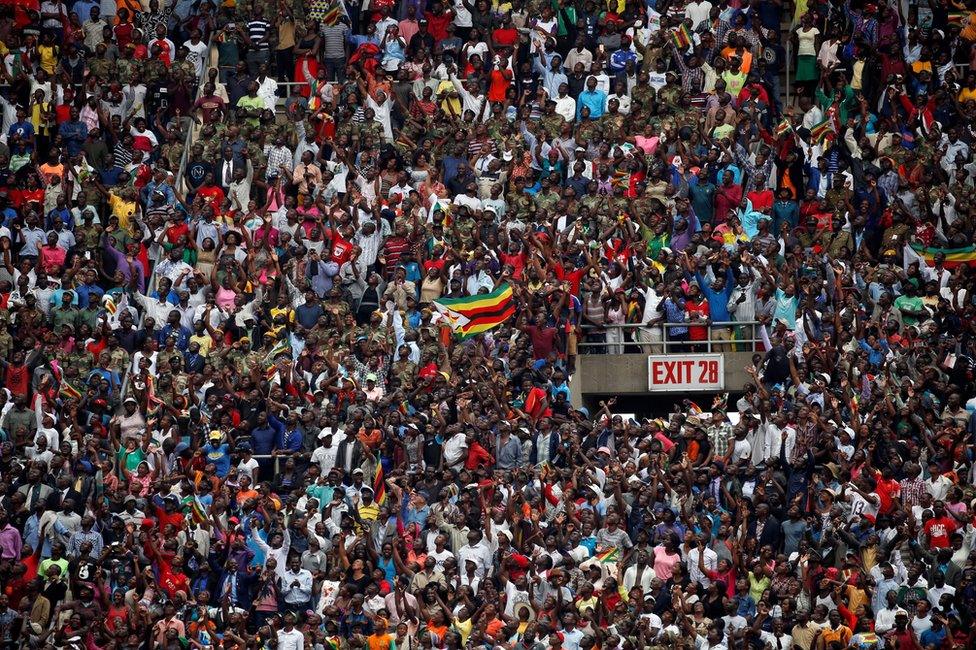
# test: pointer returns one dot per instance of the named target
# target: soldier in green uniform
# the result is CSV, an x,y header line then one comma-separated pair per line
x,y
101,67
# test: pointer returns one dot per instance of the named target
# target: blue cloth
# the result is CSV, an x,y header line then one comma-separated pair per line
x,y
181,333
594,100
875,357
718,301
219,455
290,440
73,134
263,439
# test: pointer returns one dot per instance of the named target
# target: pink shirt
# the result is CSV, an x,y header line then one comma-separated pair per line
x,y
664,563
52,257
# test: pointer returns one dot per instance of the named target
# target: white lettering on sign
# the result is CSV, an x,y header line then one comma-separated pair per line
x,y
686,372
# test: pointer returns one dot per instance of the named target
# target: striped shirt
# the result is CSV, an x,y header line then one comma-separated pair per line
x,y
334,40
257,31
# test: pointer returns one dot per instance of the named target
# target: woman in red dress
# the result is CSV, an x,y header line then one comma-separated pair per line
x,y
306,58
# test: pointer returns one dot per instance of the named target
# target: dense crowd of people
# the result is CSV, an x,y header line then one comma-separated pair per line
x,y
240,408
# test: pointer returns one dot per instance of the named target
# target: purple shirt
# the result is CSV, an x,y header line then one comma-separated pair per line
x,y
10,543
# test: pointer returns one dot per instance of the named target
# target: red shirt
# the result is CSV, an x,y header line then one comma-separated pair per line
x,y
505,37
437,24
727,199
477,456
543,339
171,582
499,80
173,233
885,491
212,195
697,332
938,530
573,277
517,263
341,250
761,200
18,380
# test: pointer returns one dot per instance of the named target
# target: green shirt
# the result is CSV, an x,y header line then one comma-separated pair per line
x,y
250,103
131,459
911,303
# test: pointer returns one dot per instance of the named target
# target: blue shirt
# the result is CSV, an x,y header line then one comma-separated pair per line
x,y
74,135
181,333
594,100
785,309
220,457
88,292
619,59
290,440
25,130
875,357
718,301
263,439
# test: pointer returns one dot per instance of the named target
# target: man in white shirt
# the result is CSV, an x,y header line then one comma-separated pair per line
x,y
565,105
455,449
777,639
478,551
277,547
697,11
325,454
290,638
710,557
578,54
296,586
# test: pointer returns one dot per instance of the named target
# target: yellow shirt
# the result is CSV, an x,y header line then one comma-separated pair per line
x,y
966,95
39,118
918,66
205,342
463,628
122,209
288,313
450,105
49,57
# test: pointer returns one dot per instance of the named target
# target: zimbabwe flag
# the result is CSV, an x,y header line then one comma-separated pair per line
x,y
379,486
681,37
476,314
68,391
819,131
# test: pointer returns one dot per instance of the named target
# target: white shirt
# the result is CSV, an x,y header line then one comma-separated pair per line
x,y
300,593
938,487
280,554
293,640
884,620
267,90
566,107
326,456
783,642
455,448
691,565
935,593
697,12
381,115
481,555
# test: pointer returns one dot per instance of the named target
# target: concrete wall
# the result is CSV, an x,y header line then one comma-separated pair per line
x,y
626,374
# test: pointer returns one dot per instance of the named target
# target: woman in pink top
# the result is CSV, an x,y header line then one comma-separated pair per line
x,y
666,556
647,141
225,291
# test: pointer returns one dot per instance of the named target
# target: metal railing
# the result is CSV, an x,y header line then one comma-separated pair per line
x,y
659,338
